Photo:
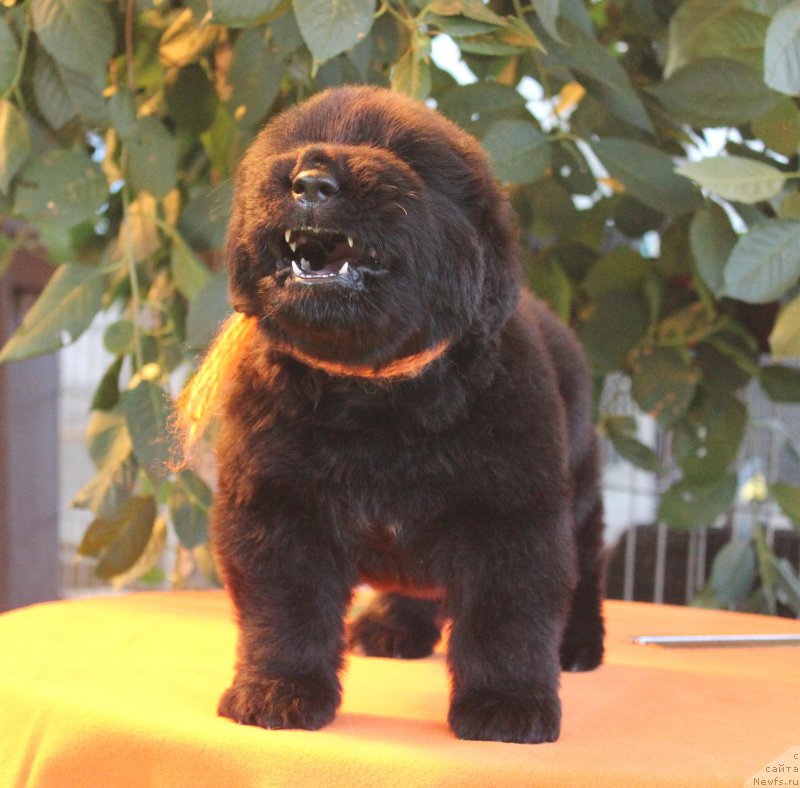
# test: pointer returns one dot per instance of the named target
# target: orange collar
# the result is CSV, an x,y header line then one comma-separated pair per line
x,y
405,367
200,399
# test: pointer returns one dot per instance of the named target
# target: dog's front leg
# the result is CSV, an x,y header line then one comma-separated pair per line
x,y
508,598
290,583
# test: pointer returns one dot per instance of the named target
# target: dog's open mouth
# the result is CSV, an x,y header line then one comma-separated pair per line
x,y
320,257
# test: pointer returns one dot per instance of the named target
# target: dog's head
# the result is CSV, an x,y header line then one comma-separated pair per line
x,y
367,227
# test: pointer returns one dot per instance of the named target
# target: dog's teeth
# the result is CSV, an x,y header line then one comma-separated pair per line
x,y
350,241
344,269
288,235
304,264
296,268
292,245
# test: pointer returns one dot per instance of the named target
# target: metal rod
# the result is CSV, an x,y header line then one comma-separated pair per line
x,y
713,641
630,564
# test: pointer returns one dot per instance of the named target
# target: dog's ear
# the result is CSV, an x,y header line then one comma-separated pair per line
x,y
242,267
502,272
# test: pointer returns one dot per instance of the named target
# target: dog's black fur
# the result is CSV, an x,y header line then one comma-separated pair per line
x,y
468,491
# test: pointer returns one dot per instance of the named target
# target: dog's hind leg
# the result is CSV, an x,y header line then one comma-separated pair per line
x,y
582,643
396,626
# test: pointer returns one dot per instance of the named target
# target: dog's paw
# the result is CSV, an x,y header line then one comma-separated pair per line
x,y
384,634
286,702
580,654
489,715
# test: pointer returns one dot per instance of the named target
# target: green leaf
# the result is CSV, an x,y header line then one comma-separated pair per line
x,y
132,533
459,26
146,408
472,9
601,74
664,382
690,505
616,322
734,571
220,142
9,54
547,11
186,40
106,395
554,212
621,431
727,364
15,144
122,111
519,152
99,535
107,439
145,568
765,262
716,92
8,248
191,98
189,505
285,38
207,311
766,570
411,75
787,583
779,128
475,107
244,13
77,33
787,497
686,326
766,7
711,239
715,28
331,28
63,311
708,439
736,178
782,50
109,489
675,259
706,599
622,268
490,45
203,222
255,76
547,279
61,187
152,157
51,95
781,383
110,447
789,207
633,218
648,174
118,337
62,93
189,273
784,341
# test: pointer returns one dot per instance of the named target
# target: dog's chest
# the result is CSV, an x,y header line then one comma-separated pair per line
x,y
390,560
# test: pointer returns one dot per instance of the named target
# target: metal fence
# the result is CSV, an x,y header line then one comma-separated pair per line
x,y
650,561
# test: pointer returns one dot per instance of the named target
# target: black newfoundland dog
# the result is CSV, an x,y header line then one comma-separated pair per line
x,y
406,416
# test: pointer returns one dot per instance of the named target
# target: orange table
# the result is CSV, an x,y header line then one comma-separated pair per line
x,y
121,691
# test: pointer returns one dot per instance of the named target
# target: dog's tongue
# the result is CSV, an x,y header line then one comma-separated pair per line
x,y
324,256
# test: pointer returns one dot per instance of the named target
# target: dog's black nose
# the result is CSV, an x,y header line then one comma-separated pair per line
x,y
314,186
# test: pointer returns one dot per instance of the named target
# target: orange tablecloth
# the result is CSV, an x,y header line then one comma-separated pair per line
x,y
122,691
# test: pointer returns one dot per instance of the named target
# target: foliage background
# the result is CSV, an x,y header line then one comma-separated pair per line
x,y
676,258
